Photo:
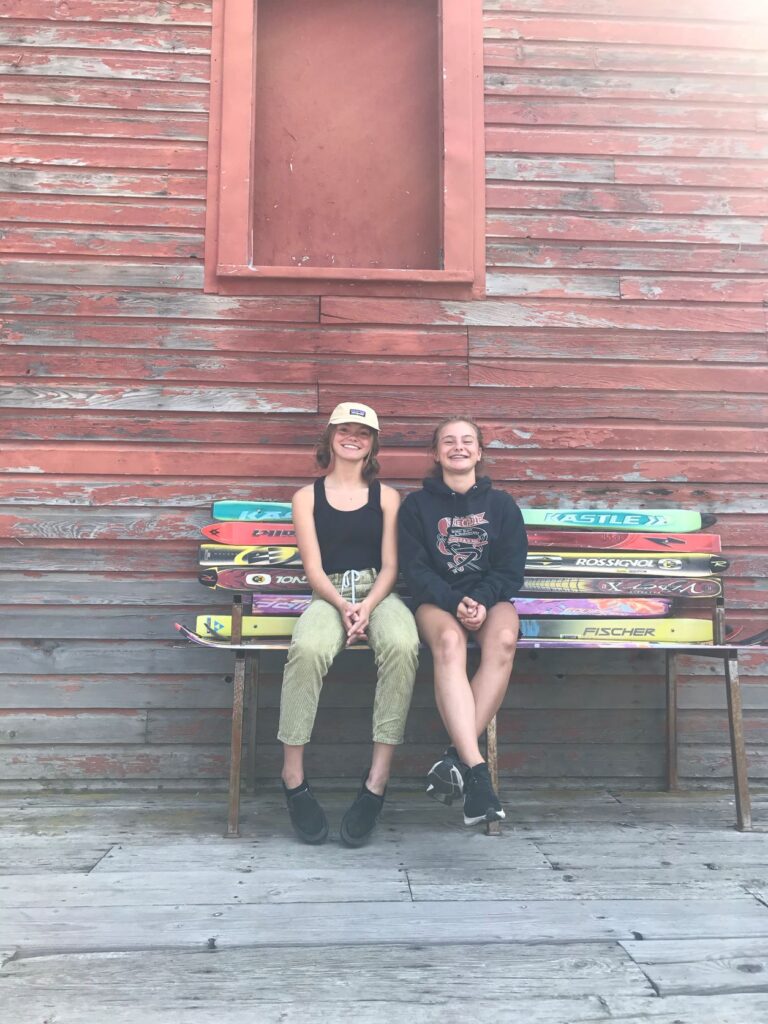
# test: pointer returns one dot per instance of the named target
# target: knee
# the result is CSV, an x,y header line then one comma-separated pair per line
x,y
506,644
449,645
402,647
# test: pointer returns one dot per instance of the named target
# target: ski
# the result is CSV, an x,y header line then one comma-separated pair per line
x,y
650,564
698,631
638,607
245,533
280,604
652,519
648,607
245,579
692,631
263,625
526,643
626,564
253,511
621,585
290,580
699,542
224,554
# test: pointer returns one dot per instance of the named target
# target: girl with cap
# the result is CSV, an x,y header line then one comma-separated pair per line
x,y
346,530
463,547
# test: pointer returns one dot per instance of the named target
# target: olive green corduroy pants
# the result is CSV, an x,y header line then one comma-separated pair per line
x,y
317,639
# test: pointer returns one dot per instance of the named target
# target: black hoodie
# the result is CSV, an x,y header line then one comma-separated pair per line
x,y
455,545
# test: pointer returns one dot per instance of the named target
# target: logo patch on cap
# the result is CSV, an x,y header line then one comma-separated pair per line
x,y
356,412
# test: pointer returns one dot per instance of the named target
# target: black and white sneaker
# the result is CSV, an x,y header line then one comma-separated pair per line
x,y
445,779
480,800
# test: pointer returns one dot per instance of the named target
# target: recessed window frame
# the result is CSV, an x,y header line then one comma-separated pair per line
x,y
229,223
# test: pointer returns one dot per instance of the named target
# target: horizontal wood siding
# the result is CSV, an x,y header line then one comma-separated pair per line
x,y
619,359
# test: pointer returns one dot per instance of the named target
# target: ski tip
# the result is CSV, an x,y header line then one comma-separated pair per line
x,y
208,577
708,519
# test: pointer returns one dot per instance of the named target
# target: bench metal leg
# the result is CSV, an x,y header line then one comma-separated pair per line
x,y
492,828
738,753
236,750
252,694
672,777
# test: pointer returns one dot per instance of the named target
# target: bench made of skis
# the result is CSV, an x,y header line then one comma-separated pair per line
x,y
603,579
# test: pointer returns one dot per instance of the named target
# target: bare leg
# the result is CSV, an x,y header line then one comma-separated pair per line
x,y
381,765
293,765
497,638
447,640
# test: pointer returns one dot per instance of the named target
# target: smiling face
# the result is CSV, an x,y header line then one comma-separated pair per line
x,y
457,449
352,442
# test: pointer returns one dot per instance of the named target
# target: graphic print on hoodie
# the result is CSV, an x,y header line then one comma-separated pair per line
x,y
454,545
462,540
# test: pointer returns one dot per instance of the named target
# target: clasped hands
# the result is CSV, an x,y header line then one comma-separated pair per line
x,y
471,614
355,618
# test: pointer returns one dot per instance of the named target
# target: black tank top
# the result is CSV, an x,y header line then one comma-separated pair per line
x,y
349,540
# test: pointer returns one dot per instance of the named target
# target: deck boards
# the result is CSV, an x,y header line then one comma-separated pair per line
x,y
596,907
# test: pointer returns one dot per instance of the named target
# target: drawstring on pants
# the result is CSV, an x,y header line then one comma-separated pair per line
x,y
349,579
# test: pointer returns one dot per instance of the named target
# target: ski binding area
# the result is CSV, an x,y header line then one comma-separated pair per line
x,y
595,579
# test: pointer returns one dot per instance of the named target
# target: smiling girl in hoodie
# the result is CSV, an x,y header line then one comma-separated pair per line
x,y
462,550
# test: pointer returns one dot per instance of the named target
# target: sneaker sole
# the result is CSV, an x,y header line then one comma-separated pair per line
x,y
442,798
490,815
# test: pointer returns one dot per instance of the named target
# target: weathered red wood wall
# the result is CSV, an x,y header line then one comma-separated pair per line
x,y
620,358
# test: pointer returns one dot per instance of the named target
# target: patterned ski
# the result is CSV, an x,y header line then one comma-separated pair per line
x,y
648,607
290,580
245,579
666,520
266,625
579,539
253,511
692,631
247,533
646,520
629,564
648,587
528,643
224,554
689,631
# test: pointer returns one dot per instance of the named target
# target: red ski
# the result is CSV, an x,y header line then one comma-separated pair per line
x,y
707,542
247,534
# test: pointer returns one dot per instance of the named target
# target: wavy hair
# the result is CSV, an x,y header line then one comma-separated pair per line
x,y
324,454
437,469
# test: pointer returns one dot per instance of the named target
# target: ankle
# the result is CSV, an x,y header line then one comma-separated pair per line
x,y
376,783
292,779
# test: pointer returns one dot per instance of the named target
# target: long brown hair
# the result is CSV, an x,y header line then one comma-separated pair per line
x,y
437,469
323,453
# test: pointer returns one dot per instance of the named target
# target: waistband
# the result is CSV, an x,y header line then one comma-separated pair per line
x,y
354,583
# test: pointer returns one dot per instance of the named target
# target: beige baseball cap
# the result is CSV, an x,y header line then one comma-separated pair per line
x,y
354,412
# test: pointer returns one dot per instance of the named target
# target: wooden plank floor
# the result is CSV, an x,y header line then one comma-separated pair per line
x,y
590,907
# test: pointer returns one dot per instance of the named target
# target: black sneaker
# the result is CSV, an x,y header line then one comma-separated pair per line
x,y
445,779
480,800
307,816
360,818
